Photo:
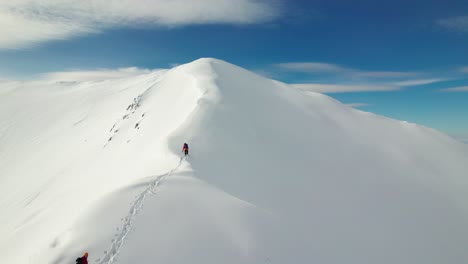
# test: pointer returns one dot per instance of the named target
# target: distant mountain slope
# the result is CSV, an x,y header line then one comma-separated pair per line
x,y
274,175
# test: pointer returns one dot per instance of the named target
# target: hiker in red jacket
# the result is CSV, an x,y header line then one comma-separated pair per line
x,y
185,149
83,259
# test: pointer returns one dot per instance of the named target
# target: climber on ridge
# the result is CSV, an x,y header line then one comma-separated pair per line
x,y
83,259
185,149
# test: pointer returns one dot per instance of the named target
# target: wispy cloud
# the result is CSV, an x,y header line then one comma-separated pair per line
x,y
355,105
420,82
344,88
464,69
355,80
18,30
313,67
26,22
463,139
460,137
383,74
454,24
379,87
456,89
327,68
93,75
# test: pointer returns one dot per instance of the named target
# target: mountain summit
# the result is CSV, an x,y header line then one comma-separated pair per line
x,y
274,175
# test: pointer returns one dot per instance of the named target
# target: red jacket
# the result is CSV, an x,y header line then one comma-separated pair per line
x,y
84,260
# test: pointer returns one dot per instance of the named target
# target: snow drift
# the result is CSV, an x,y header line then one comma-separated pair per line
x,y
275,175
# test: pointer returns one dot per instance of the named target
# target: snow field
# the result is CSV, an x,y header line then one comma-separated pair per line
x,y
275,175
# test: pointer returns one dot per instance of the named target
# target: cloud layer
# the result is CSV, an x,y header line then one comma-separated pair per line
x,y
455,24
420,82
456,89
327,68
356,105
343,88
26,22
355,80
93,75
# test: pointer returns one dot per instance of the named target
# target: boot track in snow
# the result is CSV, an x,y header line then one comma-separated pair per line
x,y
118,242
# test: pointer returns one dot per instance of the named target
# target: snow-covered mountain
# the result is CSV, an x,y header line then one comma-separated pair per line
x,y
275,175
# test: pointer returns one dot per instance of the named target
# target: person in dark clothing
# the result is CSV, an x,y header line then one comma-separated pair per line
x,y
185,149
83,259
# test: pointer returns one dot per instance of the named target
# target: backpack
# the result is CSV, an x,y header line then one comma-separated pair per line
x,y
79,260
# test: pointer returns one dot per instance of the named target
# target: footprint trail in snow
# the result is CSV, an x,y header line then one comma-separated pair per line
x,y
118,242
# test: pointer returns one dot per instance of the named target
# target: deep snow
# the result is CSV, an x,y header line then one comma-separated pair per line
x,y
275,175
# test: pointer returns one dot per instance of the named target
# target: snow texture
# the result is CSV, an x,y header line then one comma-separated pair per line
x,y
274,175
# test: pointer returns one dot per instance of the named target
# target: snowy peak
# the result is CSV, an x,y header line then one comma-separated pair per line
x,y
210,63
269,167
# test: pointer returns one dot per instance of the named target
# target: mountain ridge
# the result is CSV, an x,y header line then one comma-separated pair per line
x,y
270,167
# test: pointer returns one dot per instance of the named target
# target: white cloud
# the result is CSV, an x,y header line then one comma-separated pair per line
x,y
464,69
455,24
355,80
313,67
17,31
456,89
93,75
383,74
380,87
357,104
344,88
419,82
328,68
461,137
26,22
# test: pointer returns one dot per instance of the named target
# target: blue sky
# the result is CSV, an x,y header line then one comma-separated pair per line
x,y
403,59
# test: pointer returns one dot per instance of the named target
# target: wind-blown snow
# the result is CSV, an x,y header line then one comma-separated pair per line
x,y
275,174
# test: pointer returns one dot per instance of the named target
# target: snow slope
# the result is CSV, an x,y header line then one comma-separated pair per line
x,y
275,175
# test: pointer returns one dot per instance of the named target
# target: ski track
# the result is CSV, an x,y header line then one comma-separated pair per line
x,y
119,241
